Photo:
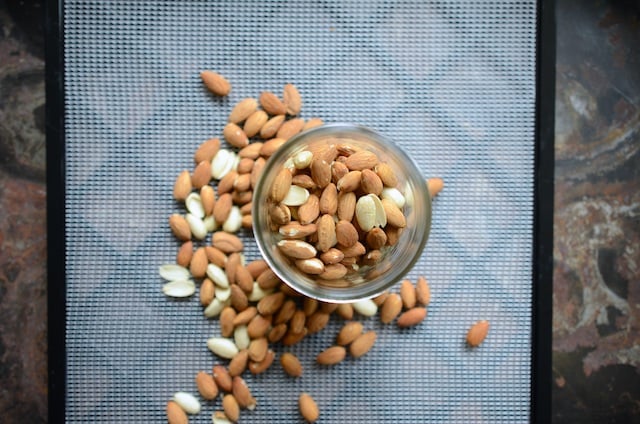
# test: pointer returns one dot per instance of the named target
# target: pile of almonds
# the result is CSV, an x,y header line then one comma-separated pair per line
x,y
255,308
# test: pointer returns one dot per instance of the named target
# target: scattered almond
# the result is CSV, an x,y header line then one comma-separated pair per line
x,y
423,292
435,186
362,344
349,332
182,187
291,364
242,110
216,83
231,407
408,294
235,135
239,363
242,393
292,99
175,414
308,408
477,333
270,128
391,308
412,317
272,104
332,355
206,385
180,227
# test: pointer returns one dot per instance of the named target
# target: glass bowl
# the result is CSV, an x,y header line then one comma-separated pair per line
x,y
364,279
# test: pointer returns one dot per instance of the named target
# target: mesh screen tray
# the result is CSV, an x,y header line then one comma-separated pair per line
x,y
452,82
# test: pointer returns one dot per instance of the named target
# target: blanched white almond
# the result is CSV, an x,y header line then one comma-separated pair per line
x,y
217,275
223,293
222,163
214,308
218,417
210,223
181,288
367,307
241,337
223,347
302,159
366,212
194,205
196,225
234,221
296,196
258,293
187,401
408,195
289,164
172,272
394,195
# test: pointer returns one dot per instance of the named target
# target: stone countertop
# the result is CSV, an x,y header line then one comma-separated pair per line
x,y
596,299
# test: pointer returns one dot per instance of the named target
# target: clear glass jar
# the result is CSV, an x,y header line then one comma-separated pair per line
x,y
364,281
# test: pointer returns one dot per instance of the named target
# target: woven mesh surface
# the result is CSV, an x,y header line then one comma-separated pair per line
x,y
453,82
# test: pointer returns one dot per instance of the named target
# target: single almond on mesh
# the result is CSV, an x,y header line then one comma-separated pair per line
x,y
269,147
175,414
222,378
477,333
182,187
244,279
345,311
333,272
227,243
242,393
255,122
292,100
271,127
216,256
180,227
238,363
238,298
207,292
223,347
350,182
199,262
258,166
329,200
313,266
258,349
308,408
423,292
366,307
245,166
272,104
242,110
277,332
187,402
326,233
219,417
362,159
370,182
412,317
297,249
235,135
252,151
394,215
312,123
270,304
222,163
317,321
179,288
206,385
309,211
185,253
408,294
286,312
207,150
262,366
259,325
391,308
346,206
332,355
226,321
208,199
290,128
295,230
290,364
346,233
257,267
320,172
362,344
376,238
296,324
222,208
216,83
435,186
244,317
349,332
379,299
304,181
268,279
231,407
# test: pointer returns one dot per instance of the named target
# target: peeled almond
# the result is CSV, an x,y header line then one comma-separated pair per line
x,y
171,272
184,288
187,402
223,347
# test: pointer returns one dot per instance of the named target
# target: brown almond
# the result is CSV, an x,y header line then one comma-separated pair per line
x,y
241,197
423,292
295,230
216,256
185,253
309,306
238,363
258,166
292,100
349,332
268,279
207,292
349,182
333,272
326,233
227,316
262,366
391,308
379,299
308,408
242,393
238,298
175,414
338,170
292,338
328,307
199,262
304,181
386,174
297,322
363,159
258,349
290,128
227,243
242,110
243,279
320,172
376,238
280,214
225,185
222,378
408,294
255,122
309,211
182,187
370,182
222,208
393,234
395,217
277,332
286,312
412,317
281,185
317,321
245,166
362,344
354,250
325,152
435,186
180,227
372,257
297,249
346,233
216,83
313,266
477,333
257,267
206,385
272,104
259,326
208,199
329,200
231,407
252,151
332,256
235,136
270,128
312,123
207,150
245,316
332,355
270,304
290,364
270,146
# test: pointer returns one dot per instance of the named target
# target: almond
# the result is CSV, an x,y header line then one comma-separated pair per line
x,y
309,211
255,122
175,414
331,356
395,217
252,151
241,198
317,321
182,187
349,332
216,83
243,279
270,128
312,266
227,243
258,349
259,326
376,238
239,363
435,186
222,208
286,312
379,299
258,166
391,308
346,233
245,316
408,294
235,135
386,174
423,292
222,378
199,262
353,251
180,227
295,230
320,172
338,170
292,99
216,256
333,272
370,182
185,253
393,235
187,402
268,279
245,166
326,152
270,146
309,306
256,267
477,333
412,317
349,182
262,366
208,199
277,332
227,316
329,200
290,364
363,159
304,181
207,150
231,407
326,233
272,104
298,249
242,110
345,311
206,385
226,183
372,257
312,123
270,304
207,292
290,128
366,307
239,298
292,338
346,206
363,344
308,408
281,185
280,214
242,393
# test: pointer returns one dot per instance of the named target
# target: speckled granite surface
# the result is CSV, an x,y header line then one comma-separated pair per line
x,y
596,328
